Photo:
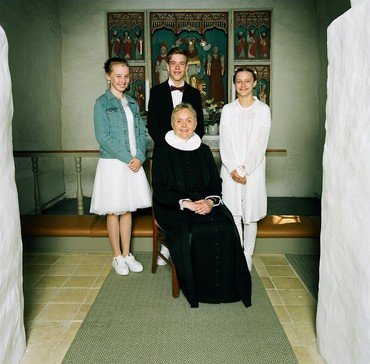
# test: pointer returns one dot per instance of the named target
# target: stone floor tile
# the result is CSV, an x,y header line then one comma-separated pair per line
x,y
61,270
51,281
302,313
282,313
72,258
59,312
47,333
92,295
287,283
315,355
307,331
302,355
274,296
71,295
80,281
70,333
29,280
46,259
261,270
36,354
39,269
280,271
82,312
59,352
39,295
274,259
267,282
33,310
296,297
99,281
88,270
96,259
292,334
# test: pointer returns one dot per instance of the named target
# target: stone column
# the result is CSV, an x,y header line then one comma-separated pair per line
x,y
12,335
343,313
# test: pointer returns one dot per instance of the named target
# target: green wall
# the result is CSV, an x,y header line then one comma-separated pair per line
x,y
33,32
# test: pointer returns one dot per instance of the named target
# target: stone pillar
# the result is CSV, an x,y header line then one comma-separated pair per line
x,y
12,335
343,313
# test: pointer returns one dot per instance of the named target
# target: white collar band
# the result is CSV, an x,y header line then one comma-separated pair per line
x,y
174,141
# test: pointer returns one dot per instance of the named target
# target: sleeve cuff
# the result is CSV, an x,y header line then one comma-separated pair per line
x,y
215,199
181,203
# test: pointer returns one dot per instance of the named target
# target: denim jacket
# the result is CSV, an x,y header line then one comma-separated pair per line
x,y
111,130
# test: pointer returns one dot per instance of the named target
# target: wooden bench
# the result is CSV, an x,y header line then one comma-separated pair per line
x,y
272,226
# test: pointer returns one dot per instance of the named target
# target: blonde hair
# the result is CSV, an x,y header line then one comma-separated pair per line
x,y
182,106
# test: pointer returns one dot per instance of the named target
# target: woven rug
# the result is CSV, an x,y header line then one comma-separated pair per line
x,y
307,268
134,319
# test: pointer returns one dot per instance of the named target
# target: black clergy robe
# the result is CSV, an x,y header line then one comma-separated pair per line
x,y
205,249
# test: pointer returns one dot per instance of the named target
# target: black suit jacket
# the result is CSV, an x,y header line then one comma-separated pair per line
x,y
160,108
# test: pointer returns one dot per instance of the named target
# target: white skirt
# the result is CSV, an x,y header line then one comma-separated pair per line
x,y
117,189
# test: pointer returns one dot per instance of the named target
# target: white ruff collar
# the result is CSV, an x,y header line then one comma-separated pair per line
x,y
174,141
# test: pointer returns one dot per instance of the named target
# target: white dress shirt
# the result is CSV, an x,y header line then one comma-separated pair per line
x,y
176,95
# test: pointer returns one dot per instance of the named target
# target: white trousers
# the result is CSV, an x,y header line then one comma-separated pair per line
x,y
248,234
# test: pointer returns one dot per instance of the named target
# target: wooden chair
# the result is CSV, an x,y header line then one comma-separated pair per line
x,y
159,237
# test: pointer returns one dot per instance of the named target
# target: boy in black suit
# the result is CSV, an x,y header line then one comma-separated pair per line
x,y
165,96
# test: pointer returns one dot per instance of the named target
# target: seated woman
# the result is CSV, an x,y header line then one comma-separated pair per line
x,y
203,240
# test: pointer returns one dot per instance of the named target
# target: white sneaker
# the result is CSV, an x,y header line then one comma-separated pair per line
x,y
120,266
133,264
166,253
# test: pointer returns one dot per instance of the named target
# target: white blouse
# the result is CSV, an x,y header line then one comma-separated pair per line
x,y
130,126
244,133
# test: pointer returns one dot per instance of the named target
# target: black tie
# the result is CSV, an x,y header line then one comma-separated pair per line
x,y
174,88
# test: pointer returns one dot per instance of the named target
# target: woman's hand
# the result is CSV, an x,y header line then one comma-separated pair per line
x,y
204,207
238,179
134,164
201,207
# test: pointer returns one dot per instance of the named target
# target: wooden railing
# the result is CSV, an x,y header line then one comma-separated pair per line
x,y
78,155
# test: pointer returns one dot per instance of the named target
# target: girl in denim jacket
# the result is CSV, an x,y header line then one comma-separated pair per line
x,y
120,185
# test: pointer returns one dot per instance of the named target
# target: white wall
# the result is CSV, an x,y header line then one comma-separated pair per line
x,y
343,314
12,336
33,31
295,79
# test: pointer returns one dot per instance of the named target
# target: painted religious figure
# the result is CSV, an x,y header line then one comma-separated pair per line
x,y
215,71
264,45
255,28
140,97
262,96
127,45
115,44
138,45
193,73
126,35
161,72
241,46
137,85
252,44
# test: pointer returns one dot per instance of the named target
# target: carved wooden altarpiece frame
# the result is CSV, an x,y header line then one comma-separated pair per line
x,y
205,36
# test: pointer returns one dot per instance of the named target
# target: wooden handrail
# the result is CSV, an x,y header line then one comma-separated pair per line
x,y
77,155
91,153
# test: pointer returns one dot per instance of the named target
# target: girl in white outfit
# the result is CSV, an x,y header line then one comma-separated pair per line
x,y
244,132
